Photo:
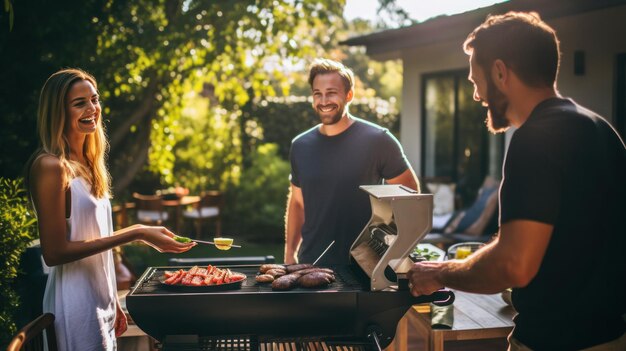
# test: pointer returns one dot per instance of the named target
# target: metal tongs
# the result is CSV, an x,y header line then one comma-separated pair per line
x,y
331,244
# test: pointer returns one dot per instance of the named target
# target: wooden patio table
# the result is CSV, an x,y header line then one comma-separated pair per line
x,y
476,317
179,204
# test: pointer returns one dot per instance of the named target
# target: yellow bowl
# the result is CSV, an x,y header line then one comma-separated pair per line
x,y
223,243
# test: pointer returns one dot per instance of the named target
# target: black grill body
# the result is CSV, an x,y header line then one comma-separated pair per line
x,y
346,310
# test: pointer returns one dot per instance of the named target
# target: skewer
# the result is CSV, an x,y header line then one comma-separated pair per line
x,y
212,243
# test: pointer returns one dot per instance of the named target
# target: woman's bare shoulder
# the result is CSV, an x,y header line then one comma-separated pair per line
x,y
46,166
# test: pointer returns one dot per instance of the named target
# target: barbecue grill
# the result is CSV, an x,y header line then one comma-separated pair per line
x,y
359,311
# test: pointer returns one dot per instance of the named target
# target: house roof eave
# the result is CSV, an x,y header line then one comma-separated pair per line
x,y
456,27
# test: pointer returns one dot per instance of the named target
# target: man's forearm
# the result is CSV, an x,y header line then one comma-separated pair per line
x,y
291,250
292,241
512,260
407,178
294,219
483,272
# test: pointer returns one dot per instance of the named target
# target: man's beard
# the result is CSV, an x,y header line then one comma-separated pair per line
x,y
497,105
330,120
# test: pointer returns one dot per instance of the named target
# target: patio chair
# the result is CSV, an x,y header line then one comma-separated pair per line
x,y
208,209
31,337
150,209
120,214
478,222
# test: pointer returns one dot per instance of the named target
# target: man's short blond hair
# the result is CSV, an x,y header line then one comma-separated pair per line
x,y
325,66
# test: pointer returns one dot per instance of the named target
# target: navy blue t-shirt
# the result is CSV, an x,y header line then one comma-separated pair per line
x,y
329,170
566,166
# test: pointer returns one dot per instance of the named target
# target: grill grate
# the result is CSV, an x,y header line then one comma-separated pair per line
x,y
150,284
246,343
227,344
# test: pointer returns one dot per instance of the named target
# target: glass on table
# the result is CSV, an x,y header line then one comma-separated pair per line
x,y
463,250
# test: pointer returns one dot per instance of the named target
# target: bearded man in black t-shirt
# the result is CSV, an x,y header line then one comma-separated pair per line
x,y
562,200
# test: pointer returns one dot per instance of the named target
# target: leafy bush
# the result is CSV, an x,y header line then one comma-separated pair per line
x,y
17,230
258,205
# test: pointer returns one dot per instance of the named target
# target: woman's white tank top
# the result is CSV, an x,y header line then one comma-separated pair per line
x,y
82,294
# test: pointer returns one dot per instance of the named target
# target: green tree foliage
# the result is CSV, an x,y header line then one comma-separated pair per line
x,y
46,36
17,230
149,55
8,8
146,54
226,45
374,78
392,15
208,151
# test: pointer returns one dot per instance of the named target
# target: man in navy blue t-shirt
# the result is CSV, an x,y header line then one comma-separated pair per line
x,y
562,199
328,163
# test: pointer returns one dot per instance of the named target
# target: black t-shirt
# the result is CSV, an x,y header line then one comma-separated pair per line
x,y
566,166
329,170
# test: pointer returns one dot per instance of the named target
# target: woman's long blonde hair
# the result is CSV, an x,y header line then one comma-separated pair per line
x,y
51,120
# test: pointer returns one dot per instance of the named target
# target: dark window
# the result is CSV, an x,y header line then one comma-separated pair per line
x,y
456,143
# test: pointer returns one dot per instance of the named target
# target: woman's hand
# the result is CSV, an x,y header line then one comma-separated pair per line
x,y
121,322
162,240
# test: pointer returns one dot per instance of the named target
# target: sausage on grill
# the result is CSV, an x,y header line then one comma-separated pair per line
x,y
296,267
316,269
264,278
276,272
315,280
266,267
286,282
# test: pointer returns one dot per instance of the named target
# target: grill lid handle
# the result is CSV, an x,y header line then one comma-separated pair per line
x,y
443,297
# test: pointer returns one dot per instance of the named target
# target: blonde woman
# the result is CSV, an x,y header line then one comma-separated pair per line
x,y
70,189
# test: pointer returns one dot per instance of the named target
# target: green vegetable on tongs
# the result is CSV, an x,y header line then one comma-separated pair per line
x,y
182,239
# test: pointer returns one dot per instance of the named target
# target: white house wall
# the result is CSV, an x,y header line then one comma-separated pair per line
x,y
600,34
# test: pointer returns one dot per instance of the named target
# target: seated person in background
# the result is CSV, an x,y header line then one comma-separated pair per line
x,y
443,202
